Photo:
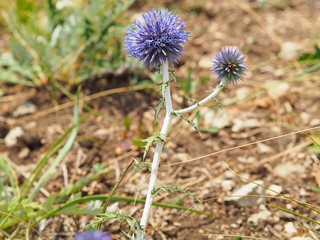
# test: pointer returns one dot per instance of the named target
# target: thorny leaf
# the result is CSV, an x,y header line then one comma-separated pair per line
x,y
157,110
170,189
149,141
116,215
174,77
193,100
187,120
141,165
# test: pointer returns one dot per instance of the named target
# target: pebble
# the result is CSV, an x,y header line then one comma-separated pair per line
x,y
288,169
102,133
276,88
239,124
227,185
263,148
263,215
12,137
219,119
26,108
290,228
240,196
205,62
289,50
277,189
24,153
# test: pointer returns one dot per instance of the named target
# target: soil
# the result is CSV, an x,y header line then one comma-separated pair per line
x,y
199,162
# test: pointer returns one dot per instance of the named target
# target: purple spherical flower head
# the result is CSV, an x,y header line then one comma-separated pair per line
x,y
157,37
93,235
229,65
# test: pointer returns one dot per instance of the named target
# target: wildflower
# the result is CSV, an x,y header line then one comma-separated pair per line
x,y
158,36
229,65
93,235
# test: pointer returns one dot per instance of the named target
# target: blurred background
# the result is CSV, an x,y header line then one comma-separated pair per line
x,y
253,132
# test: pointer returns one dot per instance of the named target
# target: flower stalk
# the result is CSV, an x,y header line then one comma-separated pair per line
x,y
159,146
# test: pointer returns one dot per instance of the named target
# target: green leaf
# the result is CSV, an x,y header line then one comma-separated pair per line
x,y
295,213
142,165
173,75
188,86
187,120
127,123
150,140
170,189
314,149
211,130
57,210
157,110
315,189
138,143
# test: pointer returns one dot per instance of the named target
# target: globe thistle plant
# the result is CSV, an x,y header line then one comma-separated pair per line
x,y
157,40
93,235
229,65
158,37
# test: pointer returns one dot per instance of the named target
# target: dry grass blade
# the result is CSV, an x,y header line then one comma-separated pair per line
x,y
241,146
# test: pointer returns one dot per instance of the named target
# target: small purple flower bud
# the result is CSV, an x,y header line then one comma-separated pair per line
x,y
93,235
229,65
157,37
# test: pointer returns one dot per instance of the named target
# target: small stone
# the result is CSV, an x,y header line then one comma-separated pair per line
x,y
228,174
290,228
182,157
246,160
227,185
26,108
24,153
263,148
314,122
276,190
218,119
240,197
289,50
205,63
288,169
102,133
276,88
263,215
303,192
12,137
233,225
239,124
278,227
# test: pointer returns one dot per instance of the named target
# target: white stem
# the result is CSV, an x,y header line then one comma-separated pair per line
x,y
205,100
156,157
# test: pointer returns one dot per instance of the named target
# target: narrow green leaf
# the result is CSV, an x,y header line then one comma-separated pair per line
x,y
170,189
142,165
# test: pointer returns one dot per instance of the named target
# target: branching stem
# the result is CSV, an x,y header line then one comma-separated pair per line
x,y
164,131
205,100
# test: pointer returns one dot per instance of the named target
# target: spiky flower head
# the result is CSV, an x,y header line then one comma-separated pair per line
x,y
93,235
158,36
229,65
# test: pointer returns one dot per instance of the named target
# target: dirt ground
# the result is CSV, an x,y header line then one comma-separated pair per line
x,y
259,137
